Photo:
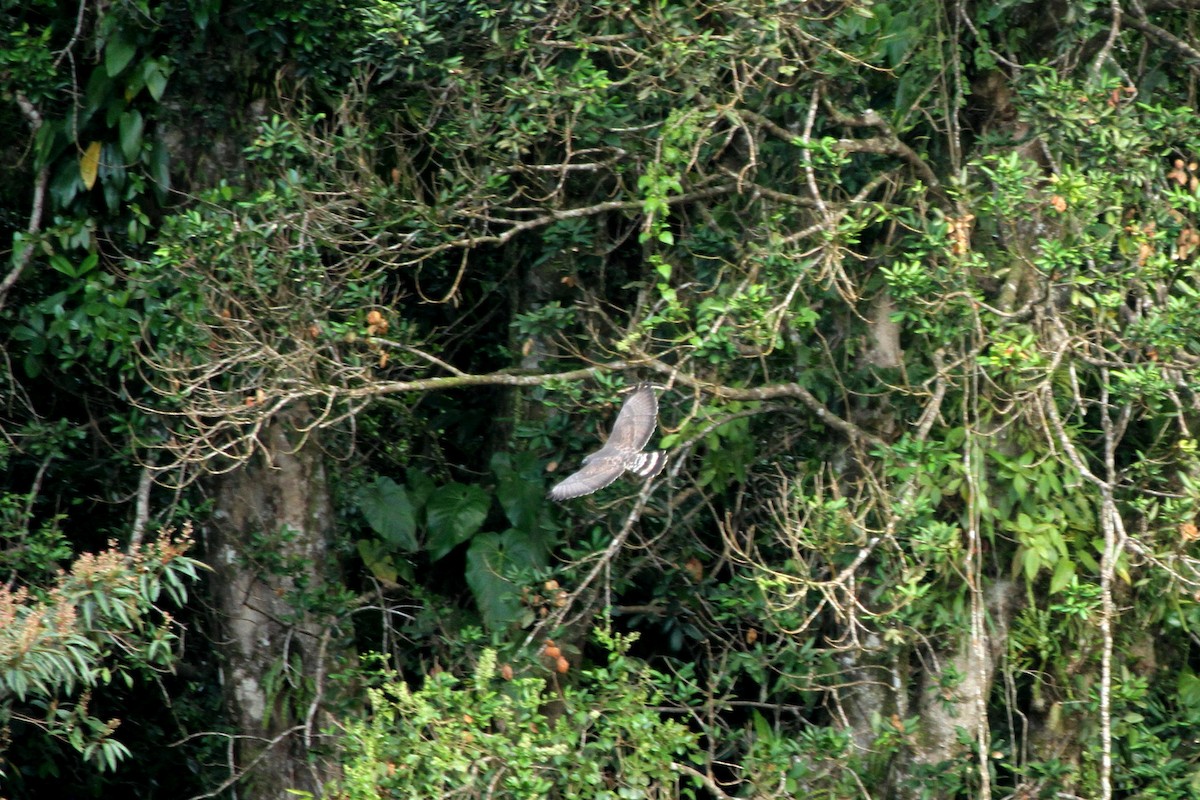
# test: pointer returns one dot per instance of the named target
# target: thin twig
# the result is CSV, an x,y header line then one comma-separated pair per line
x,y
603,560
34,490
237,774
709,782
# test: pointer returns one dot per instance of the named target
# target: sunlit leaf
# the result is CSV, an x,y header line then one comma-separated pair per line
x,y
89,164
377,559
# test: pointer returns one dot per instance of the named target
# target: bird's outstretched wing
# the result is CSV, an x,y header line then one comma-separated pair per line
x,y
636,422
623,451
592,477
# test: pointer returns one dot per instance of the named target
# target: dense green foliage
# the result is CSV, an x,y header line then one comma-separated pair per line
x,y
597,738
917,279
93,625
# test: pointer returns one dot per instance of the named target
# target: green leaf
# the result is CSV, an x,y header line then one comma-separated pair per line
x,y
117,55
420,486
32,365
98,95
155,72
160,169
453,515
491,558
1188,689
45,143
60,263
88,264
25,333
495,597
762,728
389,512
1088,562
1064,571
1032,563
377,559
130,129
519,491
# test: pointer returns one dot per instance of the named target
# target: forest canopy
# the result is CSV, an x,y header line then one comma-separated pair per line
x,y
339,291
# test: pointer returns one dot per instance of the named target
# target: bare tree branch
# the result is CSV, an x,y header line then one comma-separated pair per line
x,y
770,392
23,250
1114,30
1165,37
413,254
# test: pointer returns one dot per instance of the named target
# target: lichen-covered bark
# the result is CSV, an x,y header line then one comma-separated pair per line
x,y
269,550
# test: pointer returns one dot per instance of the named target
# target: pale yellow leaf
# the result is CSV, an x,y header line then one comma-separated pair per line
x,y
89,165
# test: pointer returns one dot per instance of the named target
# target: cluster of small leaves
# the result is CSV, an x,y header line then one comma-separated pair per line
x,y
99,622
26,45
95,322
492,736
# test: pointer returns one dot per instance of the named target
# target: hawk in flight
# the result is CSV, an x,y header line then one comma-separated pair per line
x,y
623,450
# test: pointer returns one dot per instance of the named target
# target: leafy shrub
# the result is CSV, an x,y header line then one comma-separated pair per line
x,y
600,737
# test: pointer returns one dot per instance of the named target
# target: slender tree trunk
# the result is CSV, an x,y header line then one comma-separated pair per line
x,y
270,554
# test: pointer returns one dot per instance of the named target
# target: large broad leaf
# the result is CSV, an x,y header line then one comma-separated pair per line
x,y
112,177
68,181
519,489
453,514
389,512
46,142
1064,571
420,486
492,560
98,95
